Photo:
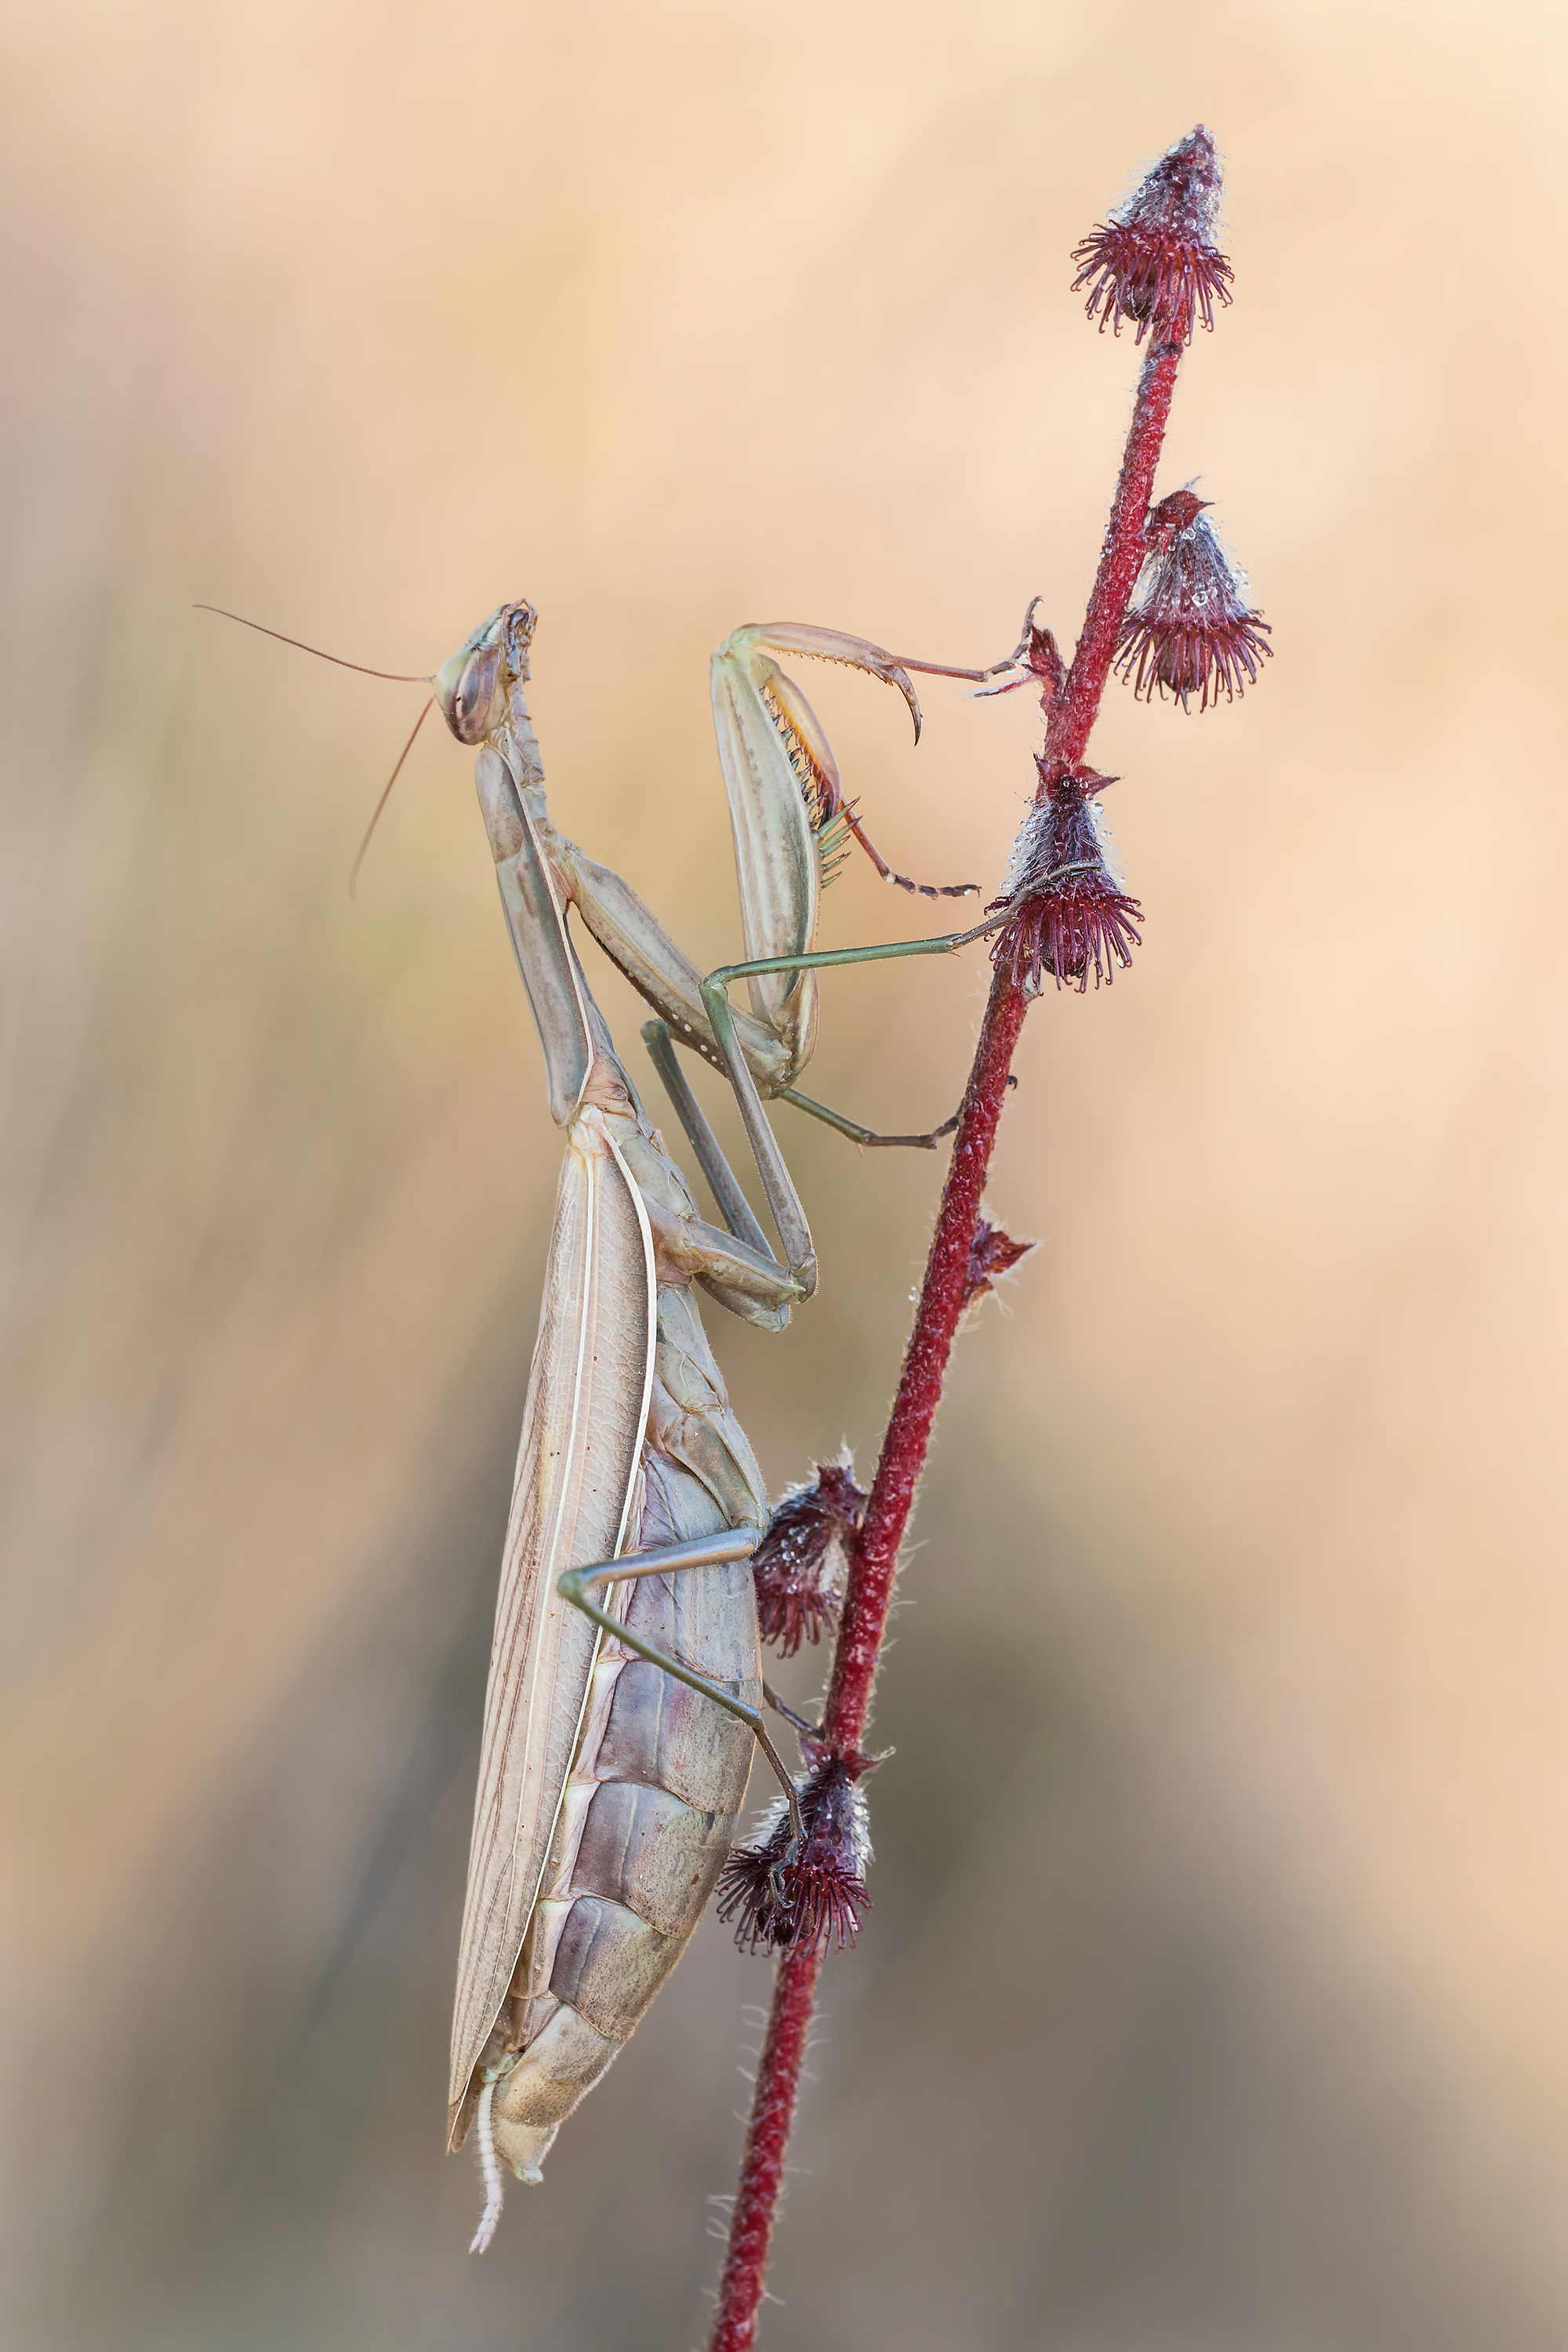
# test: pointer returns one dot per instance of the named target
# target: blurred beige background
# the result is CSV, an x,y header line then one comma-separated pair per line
x,y
1217,1995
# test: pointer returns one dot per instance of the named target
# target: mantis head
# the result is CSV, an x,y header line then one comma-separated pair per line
x,y
475,687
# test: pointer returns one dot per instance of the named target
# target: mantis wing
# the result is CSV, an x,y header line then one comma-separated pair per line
x,y
576,1482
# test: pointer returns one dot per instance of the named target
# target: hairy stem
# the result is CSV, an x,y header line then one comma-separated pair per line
x,y
869,1589
1120,559
865,1615
767,2139
875,1556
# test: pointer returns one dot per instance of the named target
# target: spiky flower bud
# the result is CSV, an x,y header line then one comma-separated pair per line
x,y
816,1895
792,1566
990,1252
1068,913
1156,261
1190,629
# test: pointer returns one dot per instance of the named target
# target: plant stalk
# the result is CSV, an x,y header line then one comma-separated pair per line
x,y
1076,707
874,1556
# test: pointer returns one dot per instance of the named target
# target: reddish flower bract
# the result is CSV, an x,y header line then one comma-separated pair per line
x,y
990,1252
1156,261
817,1895
797,1597
1068,917
1191,630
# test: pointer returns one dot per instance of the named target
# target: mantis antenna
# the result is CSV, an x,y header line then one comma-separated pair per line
x,y
397,677
386,795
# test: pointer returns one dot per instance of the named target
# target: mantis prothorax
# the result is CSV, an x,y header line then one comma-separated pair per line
x,y
625,1685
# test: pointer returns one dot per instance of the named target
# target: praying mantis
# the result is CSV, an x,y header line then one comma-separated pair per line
x,y
619,1723
625,1692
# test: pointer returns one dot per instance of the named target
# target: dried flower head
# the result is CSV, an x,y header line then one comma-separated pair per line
x,y
792,1566
816,1895
1190,629
1156,261
990,1252
1068,913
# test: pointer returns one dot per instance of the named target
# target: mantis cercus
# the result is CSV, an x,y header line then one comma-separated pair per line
x,y
618,1737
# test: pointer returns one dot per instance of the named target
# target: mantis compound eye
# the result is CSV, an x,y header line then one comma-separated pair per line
x,y
466,689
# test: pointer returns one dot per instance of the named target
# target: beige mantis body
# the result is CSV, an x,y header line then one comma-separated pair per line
x,y
618,1738
609,1790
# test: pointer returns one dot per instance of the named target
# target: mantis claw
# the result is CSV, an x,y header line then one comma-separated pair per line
x,y
830,645
776,1886
753,698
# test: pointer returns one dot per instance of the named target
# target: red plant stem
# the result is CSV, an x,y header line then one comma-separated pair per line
x,y
874,1561
767,2137
869,1586
863,1622
1121,561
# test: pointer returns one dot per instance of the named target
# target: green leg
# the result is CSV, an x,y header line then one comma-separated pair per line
x,y
864,1136
733,1205
867,1137
784,1200
702,1552
807,1730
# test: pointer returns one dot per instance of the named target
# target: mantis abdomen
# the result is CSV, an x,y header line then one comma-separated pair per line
x,y
648,1818
611,1791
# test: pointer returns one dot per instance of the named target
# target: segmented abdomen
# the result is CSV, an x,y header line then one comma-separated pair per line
x,y
655,1791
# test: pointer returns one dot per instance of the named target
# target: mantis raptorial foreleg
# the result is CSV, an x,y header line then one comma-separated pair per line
x,y
790,822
